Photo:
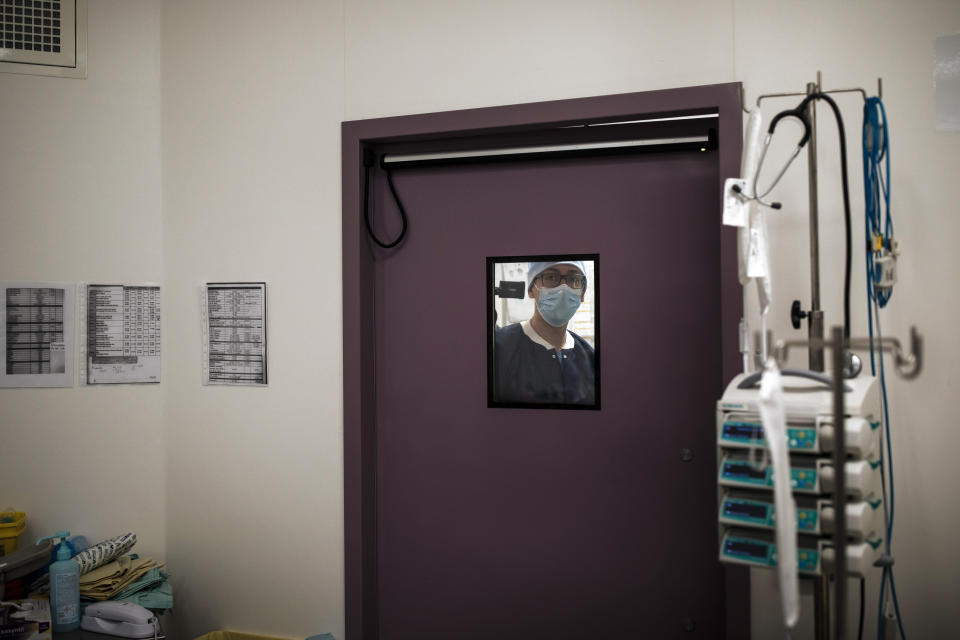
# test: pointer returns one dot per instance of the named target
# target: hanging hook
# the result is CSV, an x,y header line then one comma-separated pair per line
x,y
909,366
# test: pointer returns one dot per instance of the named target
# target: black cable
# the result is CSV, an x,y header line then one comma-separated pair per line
x,y
846,202
403,213
863,589
367,163
799,113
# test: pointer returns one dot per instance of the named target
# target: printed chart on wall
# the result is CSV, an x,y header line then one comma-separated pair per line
x,y
37,339
235,333
122,341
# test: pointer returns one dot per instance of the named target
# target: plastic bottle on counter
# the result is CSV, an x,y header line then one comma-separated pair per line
x,y
64,587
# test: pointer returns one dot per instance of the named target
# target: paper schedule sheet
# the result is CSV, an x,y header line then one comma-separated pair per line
x,y
122,324
38,334
235,333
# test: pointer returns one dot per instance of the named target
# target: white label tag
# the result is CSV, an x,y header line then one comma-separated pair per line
x,y
735,206
887,267
758,257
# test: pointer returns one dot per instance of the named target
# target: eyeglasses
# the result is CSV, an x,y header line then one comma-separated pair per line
x,y
551,279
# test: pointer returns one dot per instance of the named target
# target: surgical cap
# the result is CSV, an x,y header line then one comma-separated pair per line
x,y
536,268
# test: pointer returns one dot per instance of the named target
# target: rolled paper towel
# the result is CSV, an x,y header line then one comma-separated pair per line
x,y
103,552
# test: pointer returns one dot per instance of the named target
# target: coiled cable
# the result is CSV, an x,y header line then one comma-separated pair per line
x,y
367,165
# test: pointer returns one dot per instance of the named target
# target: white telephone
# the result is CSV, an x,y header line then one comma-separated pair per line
x,y
124,619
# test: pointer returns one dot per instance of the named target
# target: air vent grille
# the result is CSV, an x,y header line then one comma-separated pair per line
x,y
31,26
46,37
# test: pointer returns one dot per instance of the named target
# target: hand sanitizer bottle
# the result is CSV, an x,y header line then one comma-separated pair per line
x,y
64,587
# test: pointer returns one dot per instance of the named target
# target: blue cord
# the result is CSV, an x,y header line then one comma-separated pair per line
x,y
887,571
876,186
896,604
876,183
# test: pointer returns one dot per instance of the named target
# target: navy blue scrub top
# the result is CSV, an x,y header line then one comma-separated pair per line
x,y
527,372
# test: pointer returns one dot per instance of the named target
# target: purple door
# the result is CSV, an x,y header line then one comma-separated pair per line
x,y
530,523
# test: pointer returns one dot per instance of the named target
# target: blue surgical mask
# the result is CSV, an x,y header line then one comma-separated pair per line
x,y
557,305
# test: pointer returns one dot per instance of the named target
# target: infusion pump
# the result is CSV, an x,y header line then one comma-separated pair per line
x,y
746,514
805,398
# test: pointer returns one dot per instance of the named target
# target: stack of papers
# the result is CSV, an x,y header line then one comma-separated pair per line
x,y
106,582
152,591
108,572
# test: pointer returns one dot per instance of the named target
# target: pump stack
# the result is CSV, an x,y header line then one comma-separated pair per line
x,y
745,478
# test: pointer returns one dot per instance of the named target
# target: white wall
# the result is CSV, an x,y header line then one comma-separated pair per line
x,y
80,200
430,55
252,104
243,181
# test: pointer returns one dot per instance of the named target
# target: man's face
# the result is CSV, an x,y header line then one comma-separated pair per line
x,y
557,275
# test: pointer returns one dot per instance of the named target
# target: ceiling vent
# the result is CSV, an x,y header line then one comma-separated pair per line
x,y
44,37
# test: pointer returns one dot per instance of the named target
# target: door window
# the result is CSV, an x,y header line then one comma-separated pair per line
x,y
543,342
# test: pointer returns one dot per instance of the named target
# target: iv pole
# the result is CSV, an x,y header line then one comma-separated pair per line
x,y
815,340
815,325
815,314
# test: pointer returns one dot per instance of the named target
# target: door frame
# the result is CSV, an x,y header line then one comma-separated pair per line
x,y
359,330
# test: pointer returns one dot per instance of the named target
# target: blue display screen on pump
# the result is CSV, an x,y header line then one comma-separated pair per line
x,y
746,549
743,470
750,432
745,509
